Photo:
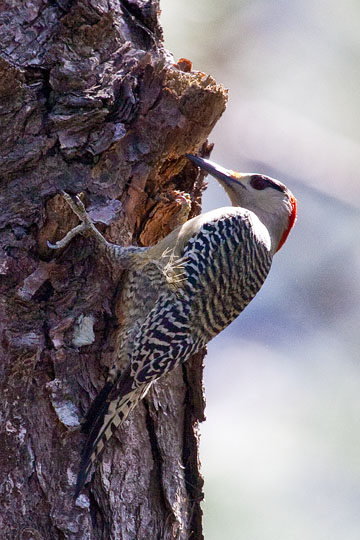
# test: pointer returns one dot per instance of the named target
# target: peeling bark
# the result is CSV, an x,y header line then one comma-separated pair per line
x,y
91,102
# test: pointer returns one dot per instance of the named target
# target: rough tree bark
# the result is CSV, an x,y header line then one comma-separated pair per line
x,y
91,102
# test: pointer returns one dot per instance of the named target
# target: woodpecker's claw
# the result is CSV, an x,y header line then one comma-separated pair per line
x,y
52,246
77,206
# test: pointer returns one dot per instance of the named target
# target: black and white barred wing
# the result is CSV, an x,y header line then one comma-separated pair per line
x,y
164,339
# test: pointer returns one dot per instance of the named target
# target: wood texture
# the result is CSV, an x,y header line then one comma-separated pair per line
x,y
91,102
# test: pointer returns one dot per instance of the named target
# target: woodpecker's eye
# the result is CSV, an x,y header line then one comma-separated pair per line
x,y
259,182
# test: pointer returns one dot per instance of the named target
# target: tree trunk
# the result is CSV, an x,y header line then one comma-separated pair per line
x,y
91,102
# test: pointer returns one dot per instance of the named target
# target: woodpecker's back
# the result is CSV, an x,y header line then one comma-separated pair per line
x,y
228,261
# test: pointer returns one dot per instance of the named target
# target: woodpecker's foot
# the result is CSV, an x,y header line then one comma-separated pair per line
x,y
123,257
86,224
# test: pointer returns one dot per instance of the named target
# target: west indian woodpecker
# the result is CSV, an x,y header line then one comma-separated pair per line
x,y
184,290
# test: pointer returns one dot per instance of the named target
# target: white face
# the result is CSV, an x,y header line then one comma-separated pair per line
x,y
269,199
255,191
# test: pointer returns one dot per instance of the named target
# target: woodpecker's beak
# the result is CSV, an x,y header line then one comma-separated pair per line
x,y
223,175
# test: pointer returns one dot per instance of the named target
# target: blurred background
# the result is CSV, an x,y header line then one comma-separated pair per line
x,y
280,449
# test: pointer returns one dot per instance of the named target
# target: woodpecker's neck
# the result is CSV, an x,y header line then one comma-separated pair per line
x,y
291,222
278,223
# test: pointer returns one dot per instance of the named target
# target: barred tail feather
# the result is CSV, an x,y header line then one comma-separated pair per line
x,y
114,407
115,414
96,407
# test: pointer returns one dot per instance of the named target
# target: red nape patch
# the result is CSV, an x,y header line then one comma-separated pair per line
x,y
292,219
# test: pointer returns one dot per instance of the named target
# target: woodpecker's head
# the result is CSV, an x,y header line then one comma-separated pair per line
x,y
269,199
